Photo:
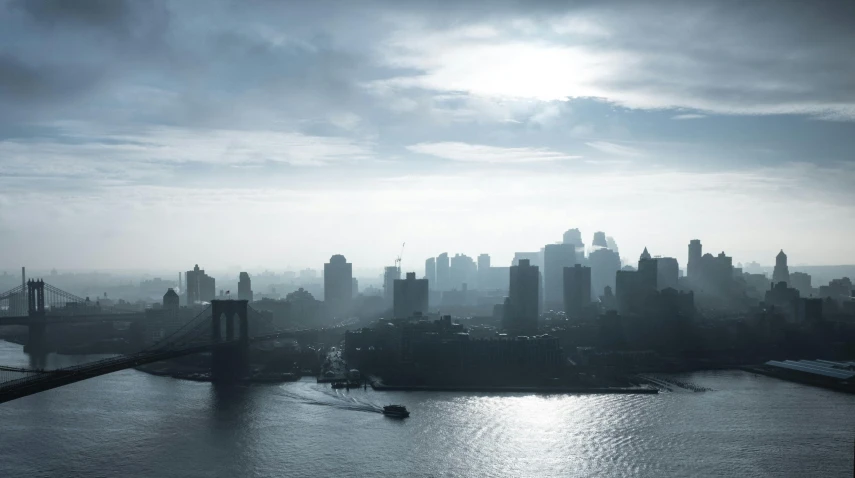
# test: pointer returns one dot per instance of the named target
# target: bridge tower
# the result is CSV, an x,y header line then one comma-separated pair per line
x,y
229,361
37,337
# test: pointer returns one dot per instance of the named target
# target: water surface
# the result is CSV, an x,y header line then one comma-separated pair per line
x,y
133,424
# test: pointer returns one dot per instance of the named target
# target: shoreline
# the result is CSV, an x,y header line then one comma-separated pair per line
x,y
500,388
206,376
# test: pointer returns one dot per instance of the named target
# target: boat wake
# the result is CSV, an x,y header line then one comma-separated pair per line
x,y
324,398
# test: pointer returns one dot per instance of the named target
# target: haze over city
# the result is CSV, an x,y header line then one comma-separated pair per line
x,y
141,135
421,238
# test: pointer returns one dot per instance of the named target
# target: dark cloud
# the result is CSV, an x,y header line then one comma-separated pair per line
x,y
97,13
23,82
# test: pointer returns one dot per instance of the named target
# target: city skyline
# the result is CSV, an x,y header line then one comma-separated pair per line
x,y
380,238
478,129
411,264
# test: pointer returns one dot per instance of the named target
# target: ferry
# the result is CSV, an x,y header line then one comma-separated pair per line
x,y
396,411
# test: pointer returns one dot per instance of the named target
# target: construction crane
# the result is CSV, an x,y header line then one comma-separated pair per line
x,y
398,260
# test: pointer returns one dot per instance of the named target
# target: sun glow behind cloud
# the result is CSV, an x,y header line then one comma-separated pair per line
x,y
475,132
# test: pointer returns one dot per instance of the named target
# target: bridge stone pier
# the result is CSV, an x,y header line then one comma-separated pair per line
x,y
229,361
37,336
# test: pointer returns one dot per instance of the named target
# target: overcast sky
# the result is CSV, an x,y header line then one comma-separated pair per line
x,y
271,134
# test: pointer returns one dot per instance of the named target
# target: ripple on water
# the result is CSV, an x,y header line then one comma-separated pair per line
x,y
133,424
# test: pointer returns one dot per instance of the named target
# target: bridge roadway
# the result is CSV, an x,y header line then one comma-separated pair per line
x,y
56,378
73,319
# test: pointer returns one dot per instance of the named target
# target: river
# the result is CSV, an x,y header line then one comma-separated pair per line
x,y
133,424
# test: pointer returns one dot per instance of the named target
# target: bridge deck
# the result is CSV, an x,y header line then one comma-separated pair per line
x,y
57,378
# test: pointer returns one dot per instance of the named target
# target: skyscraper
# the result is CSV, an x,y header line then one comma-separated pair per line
x,y
633,289
430,272
781,273
802,283
668,273
462,271
484,281
555,258
693,268
390,275
338,285
573,236
648,272
410,296
604,264
521,305
244,287
200,286
600,240
442,271
612,244
577,290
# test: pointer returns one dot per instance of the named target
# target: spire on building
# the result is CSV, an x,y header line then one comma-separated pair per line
x,y
644,255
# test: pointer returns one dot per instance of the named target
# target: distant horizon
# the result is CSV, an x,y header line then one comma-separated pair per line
x,y
357,272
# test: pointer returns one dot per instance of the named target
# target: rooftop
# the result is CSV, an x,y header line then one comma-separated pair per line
x,y
825,368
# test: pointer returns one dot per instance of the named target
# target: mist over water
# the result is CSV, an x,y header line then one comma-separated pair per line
x,y
132,424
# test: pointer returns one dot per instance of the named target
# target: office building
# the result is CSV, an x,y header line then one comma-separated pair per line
x,y
244,287
462,271
573,236
555,258
484,279
634,290
170,300
627,292
200,286
521,305
802,283
390,275
648,272
599,240
784,299
668,273
338,285
442,272
612,244
430,272
577,290
719,273
410,296
694,264
781,273
604,264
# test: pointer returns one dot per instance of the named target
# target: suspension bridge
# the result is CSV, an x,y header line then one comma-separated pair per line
x,y
222,329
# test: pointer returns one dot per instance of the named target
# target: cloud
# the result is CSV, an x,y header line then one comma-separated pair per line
x,y
87,12
660,56
689,116
616,149
21,81
158,154
477,153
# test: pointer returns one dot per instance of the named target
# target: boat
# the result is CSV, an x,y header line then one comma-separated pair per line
x,y
396,411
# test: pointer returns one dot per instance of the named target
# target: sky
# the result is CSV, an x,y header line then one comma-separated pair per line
x,y
274,134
